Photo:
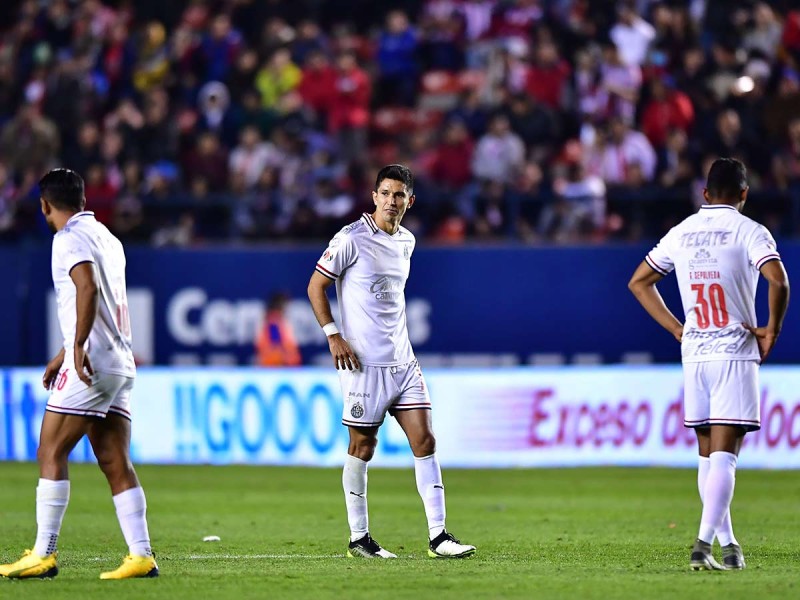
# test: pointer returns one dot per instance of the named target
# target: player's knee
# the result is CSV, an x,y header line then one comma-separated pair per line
x,y
113,463
424,445
363,449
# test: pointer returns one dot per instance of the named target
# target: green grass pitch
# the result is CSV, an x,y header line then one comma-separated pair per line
x,y
569,533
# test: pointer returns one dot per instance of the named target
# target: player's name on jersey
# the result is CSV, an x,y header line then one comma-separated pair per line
x,y
704,275
705,239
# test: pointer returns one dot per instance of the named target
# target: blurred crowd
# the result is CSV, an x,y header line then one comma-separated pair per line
x,y
537,120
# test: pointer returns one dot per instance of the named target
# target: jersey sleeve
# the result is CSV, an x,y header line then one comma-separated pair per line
x,y
762,248
340,254
660,258
69,251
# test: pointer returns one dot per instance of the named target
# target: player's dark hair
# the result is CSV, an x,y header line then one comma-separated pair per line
x,y
397,173
726,179
63,188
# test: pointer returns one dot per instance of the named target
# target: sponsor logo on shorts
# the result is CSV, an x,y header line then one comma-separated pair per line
x,y
358,395
357,410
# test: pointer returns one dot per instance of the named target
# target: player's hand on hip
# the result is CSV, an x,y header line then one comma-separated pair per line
x,y
52,369
83,367
766,339
678,333
343,355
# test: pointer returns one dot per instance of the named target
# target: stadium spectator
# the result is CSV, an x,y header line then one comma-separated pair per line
x,y
548,76
86,150
623,156
442,33
220,48
668,108
535,124
278,76
310,39
317,80
578,209
30,140
631,34
252,155
152,66
765,34
621,83
499,154
100,193
349,111
397,61
452,161
207,160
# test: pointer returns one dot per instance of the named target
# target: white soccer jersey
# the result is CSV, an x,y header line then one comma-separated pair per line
x,y
716,254
370,268
84,239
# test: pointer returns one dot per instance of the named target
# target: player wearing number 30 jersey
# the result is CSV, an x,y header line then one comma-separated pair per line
x,y
717,255
90,382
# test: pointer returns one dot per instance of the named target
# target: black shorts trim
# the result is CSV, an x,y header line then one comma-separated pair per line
x,y
406,407
748,426
122,413
357,424
75,412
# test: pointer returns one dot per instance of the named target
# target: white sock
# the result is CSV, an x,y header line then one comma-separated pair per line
x,y
431,490
354,482
725,531
717,493
52,498
131,513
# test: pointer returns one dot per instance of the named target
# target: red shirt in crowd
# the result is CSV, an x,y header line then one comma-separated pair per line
x,y
350,100
546,83
316,86
452,164
675,111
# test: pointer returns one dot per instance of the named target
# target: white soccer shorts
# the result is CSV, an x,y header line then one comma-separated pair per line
x,y
721,392
373,391
108,393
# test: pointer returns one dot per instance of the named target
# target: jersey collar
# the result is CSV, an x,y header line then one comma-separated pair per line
x,y
370,222
83,213
716,206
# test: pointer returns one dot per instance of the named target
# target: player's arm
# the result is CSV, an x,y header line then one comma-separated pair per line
x,y
643,285
343,355
775,274
87,295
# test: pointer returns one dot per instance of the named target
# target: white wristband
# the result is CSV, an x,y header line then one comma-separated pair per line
x,y
330,329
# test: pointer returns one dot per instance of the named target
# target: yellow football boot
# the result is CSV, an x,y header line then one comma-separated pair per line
x,y
133,566
31,565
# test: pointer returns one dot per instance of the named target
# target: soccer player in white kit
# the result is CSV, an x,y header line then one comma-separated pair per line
x,y
717,255
369,261
90,382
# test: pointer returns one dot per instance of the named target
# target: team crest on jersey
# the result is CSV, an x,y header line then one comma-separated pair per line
x,y
357,410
